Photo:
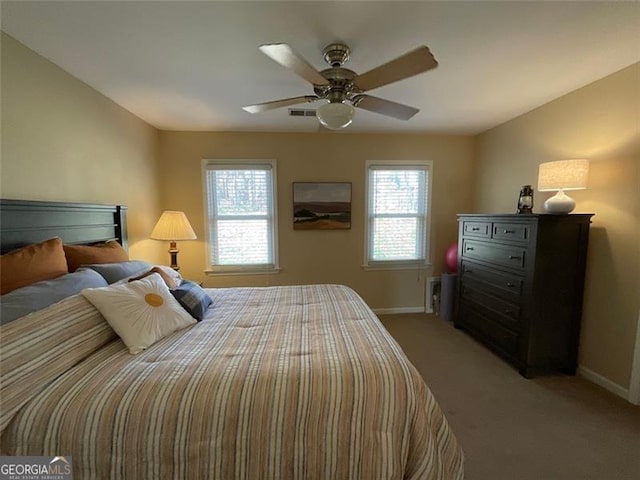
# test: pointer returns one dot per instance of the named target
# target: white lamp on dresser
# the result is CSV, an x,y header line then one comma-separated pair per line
x,y
559,176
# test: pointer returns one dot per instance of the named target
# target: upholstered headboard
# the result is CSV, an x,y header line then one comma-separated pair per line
x,y
23,222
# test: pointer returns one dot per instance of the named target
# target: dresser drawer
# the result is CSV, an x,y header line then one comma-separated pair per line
x,y
505,282
488,330
502,311
504,255
516,232
476,229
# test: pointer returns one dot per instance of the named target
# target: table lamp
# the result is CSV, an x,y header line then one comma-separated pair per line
x,y
562,175
173,226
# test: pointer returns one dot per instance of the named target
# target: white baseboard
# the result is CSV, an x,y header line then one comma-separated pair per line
x,y
603,382
634,383
389,311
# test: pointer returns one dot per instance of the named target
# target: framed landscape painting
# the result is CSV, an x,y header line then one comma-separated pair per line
x,y
321,205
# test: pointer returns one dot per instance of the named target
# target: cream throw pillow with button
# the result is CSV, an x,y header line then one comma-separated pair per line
x,y
140,312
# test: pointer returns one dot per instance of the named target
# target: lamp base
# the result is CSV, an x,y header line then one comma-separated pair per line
x,y
173,251
560,204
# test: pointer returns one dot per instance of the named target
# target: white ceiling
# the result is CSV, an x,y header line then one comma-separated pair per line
x,y
182,65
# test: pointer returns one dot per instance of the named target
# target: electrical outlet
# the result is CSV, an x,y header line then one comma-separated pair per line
x,y
432,294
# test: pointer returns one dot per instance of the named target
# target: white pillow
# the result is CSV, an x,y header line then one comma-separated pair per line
x,y
140,312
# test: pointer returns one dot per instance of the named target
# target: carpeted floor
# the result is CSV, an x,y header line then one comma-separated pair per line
x,y
510,428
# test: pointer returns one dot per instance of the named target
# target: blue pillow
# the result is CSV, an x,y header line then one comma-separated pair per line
x,y
114,272
39,295
193,298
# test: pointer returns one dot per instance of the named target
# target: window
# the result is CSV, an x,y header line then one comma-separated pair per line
x,y
397,223
240,216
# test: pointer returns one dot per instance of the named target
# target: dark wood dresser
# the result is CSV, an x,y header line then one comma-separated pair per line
x,y
520,286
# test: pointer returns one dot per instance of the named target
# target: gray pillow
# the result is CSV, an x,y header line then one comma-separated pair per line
x,y
114,272
39,295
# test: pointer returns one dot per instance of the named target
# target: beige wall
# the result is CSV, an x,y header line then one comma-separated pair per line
x,y
321,256
600,122
63,141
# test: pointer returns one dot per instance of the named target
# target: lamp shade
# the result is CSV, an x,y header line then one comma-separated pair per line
x,y
173,226
563,175
336,115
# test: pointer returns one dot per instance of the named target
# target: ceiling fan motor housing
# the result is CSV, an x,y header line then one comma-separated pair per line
x,y
340,79
340,84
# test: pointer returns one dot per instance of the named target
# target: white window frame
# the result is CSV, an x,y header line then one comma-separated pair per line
x,y
243,269
422,263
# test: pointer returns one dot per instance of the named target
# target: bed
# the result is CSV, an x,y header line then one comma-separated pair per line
x,y
295,382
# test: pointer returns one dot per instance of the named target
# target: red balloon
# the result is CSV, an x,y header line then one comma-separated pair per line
x,y
451,258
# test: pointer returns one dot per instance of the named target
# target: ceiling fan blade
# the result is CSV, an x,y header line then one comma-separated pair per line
x,y
263,107
287,57
384,107
416,61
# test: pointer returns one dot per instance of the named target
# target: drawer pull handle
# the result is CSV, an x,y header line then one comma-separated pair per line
x,y
468,270
511,285
508,312
469,249
475,229
514,257
509,232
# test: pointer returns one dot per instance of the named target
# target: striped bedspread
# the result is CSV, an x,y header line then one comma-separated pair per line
x,y
299,382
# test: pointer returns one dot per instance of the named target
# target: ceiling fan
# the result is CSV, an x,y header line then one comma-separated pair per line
x,y
344,88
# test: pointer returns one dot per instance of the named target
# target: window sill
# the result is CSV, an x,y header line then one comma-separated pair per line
x,y
222,273
396,266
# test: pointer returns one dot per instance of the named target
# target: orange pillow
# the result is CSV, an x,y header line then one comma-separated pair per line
x,y
108,252
166,277
31,264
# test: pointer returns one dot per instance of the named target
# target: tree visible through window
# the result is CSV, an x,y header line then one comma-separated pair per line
x,y
240,213
397,213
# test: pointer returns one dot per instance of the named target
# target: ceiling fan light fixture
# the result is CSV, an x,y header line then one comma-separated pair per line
x,y
335,116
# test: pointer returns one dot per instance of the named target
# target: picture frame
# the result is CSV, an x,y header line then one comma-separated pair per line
x,y
321,205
